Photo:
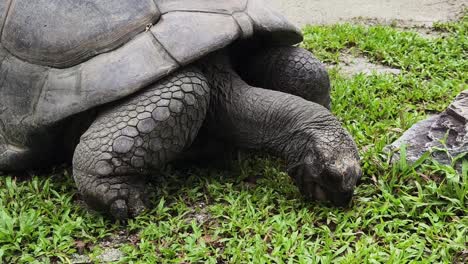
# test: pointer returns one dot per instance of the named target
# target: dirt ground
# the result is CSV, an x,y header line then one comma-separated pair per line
x,y
404,12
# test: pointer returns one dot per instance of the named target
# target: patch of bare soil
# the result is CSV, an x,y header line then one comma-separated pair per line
x,y
352,64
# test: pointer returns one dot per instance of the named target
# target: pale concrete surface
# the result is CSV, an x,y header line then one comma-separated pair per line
x,y
407,12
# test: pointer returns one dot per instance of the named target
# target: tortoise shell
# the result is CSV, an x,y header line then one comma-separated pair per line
x,y
62,57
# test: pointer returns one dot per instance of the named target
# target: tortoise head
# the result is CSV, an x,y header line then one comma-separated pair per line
x,y
328,174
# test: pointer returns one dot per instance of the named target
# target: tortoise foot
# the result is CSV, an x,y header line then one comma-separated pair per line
x,y
122,197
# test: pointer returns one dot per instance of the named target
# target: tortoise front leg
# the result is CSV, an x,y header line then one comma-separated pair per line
x,y
132,138
290,70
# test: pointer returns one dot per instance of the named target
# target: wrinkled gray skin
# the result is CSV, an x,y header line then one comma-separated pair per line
x,y
126,93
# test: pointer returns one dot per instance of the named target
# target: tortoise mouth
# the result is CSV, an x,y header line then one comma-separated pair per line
x,y
339,199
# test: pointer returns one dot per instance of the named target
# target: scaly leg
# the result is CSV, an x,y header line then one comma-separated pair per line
x,y
133,137
290,70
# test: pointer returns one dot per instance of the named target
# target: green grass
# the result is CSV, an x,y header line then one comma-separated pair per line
x,y
253,213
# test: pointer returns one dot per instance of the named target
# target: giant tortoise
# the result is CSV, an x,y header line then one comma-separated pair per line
x,y
120,88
